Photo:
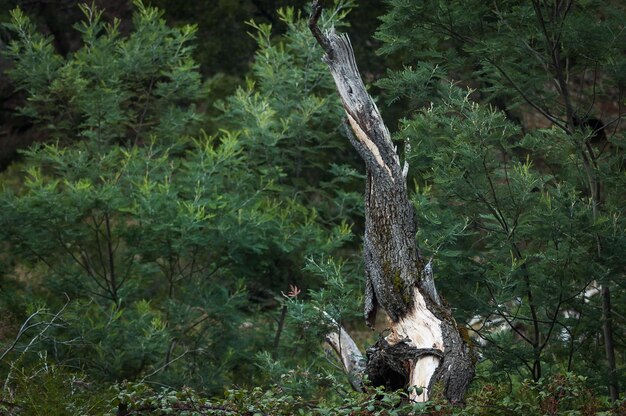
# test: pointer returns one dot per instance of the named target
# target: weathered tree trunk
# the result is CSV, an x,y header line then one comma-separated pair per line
x,y
425,346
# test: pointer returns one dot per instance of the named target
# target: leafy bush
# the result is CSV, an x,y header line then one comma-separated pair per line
x,y
171,244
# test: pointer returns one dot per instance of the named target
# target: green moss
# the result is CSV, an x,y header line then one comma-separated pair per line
x,y
463,332
399,287
398,284
393,275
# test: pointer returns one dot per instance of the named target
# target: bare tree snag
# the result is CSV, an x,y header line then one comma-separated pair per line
x,y
425,346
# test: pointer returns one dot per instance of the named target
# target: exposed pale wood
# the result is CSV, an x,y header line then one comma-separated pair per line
x,y
347,351
349,354
424,330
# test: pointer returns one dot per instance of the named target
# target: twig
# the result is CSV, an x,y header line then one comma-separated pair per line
x,y
170,362
321,39
25,327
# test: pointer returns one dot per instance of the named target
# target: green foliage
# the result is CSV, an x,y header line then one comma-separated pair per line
x,y
292,117
505,52
298,365
226,46
507,174
114,89
563,394
43,388
171,248
521,242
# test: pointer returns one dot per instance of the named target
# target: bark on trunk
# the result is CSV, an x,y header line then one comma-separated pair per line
x,y
425,345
